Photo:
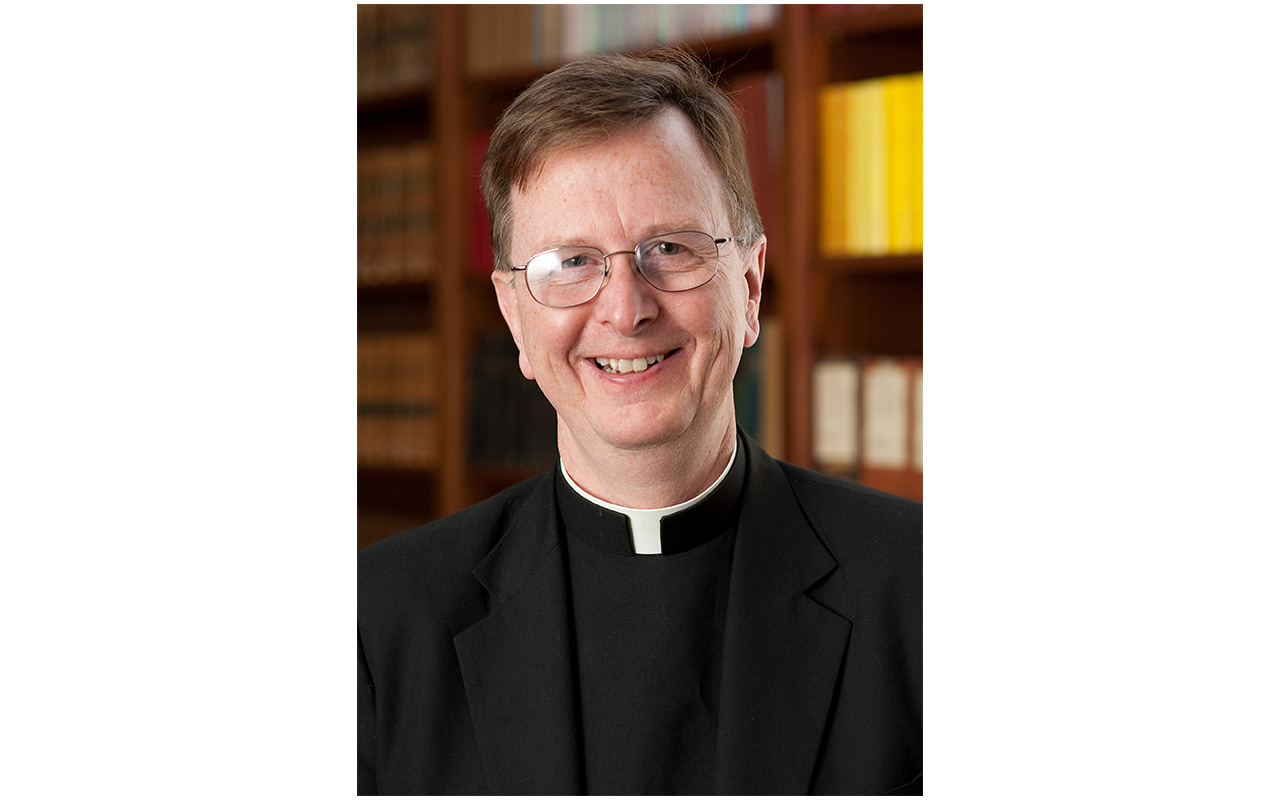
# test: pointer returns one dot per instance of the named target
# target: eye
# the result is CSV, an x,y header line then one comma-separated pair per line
x,y
576,259
667,248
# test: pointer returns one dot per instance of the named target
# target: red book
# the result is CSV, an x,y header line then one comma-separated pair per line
x,y
481,252
757,97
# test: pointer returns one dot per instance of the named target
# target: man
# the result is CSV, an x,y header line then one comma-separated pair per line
x,y
669,610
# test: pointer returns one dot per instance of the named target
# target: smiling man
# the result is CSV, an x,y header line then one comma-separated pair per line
x,y
640,364
669,610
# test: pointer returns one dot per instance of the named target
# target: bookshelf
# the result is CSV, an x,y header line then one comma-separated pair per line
x,y
433,81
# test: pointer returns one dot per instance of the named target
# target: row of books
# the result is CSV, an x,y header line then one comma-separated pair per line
x,y
393,48
397,400
871,154
853,9
396,221
507,38
512,425
868,420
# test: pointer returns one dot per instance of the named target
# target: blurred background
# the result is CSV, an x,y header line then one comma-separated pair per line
x,y
831,99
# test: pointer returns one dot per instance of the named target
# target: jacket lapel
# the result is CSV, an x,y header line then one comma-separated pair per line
x,y
517,663
783,651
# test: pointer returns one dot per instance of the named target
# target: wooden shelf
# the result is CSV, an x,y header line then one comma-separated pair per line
x,y
865,265
406,489
396,288
392,101
868,20
398,306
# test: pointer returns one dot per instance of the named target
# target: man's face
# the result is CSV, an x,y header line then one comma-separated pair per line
x,y
655,179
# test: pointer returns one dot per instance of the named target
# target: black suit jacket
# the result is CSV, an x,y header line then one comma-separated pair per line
x,y
467,667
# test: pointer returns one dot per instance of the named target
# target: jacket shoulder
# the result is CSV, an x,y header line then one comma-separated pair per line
x,y
435,560
859,524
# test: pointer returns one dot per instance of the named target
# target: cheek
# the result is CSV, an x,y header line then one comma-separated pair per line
x,y
723,330
548,342
730,318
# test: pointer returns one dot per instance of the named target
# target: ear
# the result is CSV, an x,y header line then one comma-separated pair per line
x,y
509,304
754,277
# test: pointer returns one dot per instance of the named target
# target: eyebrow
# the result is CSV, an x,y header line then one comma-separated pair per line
x,y
551,243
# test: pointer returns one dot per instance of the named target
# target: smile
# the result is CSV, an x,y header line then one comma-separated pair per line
x,y
625,366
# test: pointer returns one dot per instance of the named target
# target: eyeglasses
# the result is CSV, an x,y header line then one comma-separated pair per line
x,y
671,262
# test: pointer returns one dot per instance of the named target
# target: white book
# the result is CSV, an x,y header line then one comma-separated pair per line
x,y
835,413
887,383
917,461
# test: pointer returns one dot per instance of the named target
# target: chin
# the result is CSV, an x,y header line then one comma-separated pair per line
x,y
638,436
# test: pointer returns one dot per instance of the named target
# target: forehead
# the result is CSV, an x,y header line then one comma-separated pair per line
x,y
655,178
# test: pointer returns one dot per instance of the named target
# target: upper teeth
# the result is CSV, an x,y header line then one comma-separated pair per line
x,y
623,366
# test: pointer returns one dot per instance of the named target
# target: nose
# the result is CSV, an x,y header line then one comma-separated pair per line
x,y
626,301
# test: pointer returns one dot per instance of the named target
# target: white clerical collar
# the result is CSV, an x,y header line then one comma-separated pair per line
x,y
646,523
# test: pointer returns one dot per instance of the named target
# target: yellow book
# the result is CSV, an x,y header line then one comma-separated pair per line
x,y
898,144
859,169
849,235
872,178
832,150
916,108
855,195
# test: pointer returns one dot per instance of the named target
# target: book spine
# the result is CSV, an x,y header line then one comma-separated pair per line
x,y
885,436
364,400
835,414
874,176
915,109
367,72
418,224
481,251
917,416
897,163
833,149
426,399
773,427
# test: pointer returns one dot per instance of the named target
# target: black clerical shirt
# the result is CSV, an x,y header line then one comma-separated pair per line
x,y
649,633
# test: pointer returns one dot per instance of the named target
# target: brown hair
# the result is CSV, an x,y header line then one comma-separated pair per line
x,y
604,94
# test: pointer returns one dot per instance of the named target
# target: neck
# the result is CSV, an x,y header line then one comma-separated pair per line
x,y
654,477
